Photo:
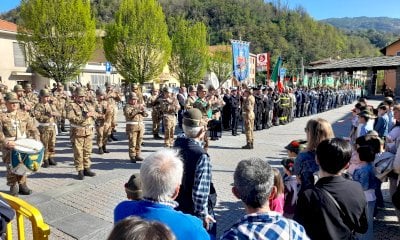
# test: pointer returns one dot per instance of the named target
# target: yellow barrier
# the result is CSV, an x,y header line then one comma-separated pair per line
x,y
40,230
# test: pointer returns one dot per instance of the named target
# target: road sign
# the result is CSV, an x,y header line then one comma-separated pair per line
x,y
108,67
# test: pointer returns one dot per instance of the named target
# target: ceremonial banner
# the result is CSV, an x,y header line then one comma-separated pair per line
x,y
241,59
278,64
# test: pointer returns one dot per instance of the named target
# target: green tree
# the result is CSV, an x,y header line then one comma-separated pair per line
x,y
59,36
137,43
221,62
189,52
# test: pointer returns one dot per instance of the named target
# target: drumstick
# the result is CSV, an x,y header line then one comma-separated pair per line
x,y
26,146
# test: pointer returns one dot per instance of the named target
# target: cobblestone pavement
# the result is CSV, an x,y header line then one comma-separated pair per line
x,y
84,209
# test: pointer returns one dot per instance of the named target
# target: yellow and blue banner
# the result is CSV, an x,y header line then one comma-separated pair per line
x,y
241,59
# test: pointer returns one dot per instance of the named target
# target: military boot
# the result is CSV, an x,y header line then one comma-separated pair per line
x,y
100,150
80,175
109,139
105,150
45,163
113,137
247,146
132,159
156,136
24,190
88,172
14,189
138,158
52,162
251,145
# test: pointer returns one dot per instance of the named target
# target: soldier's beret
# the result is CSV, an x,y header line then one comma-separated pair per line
x,y
192,117
18,88
80,92
44,93
28,86
12,97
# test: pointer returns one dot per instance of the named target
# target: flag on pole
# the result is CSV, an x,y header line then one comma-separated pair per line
x,y
241,59
275,72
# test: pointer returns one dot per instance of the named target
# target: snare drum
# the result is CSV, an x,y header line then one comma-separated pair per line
x,y
27,156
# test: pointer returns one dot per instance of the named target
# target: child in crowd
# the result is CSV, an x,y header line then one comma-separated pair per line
x,y
365,175
294,147
290,188
276,204
133,187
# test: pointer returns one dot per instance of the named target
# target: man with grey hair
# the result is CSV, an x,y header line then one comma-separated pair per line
x,y
161,175
197,195
254,185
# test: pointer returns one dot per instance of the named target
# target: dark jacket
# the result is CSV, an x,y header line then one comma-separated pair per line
x,y
320,216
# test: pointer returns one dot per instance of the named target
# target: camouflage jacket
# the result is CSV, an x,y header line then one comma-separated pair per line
x,y
134,113
169,105
17,125
45,112
104,111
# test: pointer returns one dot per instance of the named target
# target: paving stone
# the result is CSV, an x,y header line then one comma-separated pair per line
x,y
81,225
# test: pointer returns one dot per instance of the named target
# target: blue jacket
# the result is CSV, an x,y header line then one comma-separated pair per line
x,y
184,226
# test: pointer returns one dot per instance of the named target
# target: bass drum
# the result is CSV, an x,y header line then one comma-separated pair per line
x,y
27,156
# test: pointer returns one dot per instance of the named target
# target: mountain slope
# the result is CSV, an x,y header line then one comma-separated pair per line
x,y
380,24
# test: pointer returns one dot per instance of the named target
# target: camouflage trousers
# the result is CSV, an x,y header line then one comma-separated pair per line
x,y
12,178
249,127
82,147
135,134
169,129
48,138
156,118
103,129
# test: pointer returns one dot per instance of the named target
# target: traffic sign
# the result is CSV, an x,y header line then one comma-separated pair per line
x,y
108,67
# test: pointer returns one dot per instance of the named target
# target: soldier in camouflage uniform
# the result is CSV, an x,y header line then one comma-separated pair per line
x,y
23,103
156,115
15,124
30,96
248,118
138,92
46,114
91,94
169,108
62,102
3,107
113,98
134,114
191,98
103,122
82,117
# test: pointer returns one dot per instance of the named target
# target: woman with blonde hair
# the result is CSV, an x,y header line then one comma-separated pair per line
x,y
305,165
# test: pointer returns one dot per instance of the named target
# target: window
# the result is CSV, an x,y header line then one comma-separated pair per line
x,y
19,56
98,80
398,53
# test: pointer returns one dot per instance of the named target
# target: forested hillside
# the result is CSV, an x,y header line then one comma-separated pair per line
x,y
293,34
380,31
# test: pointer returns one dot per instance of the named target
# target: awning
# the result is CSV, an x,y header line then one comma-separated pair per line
x,y
16,73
